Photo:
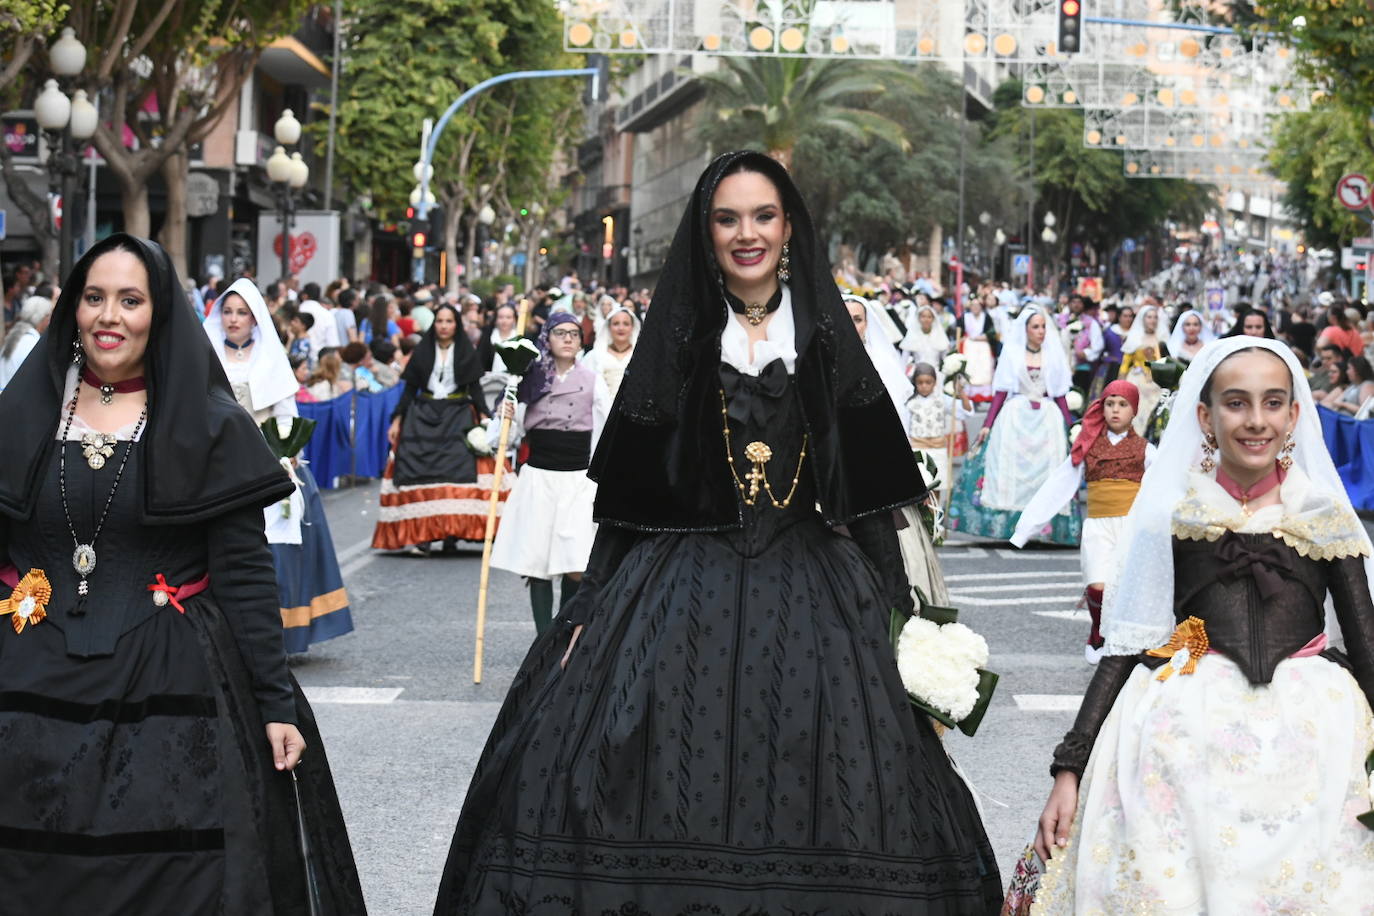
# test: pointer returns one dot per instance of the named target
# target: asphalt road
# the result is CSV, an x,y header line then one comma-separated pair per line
x,y
404,723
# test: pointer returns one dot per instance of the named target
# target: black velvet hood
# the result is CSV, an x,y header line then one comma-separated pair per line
x,y
203,455
467,365
660,463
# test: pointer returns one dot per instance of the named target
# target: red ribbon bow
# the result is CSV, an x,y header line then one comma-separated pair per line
x,y
169,590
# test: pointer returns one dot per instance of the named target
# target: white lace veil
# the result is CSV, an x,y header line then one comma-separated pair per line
x,y
885,360
603,334
1054,362
270,377
1176,338
1135,337
1138,610
916,339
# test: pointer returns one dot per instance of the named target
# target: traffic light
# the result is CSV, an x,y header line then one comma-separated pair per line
x,y
1070,26
410,212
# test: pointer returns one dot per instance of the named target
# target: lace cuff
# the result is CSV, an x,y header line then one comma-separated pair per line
x,y
1072,754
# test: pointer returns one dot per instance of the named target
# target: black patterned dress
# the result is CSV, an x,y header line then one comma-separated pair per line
x,y
730,736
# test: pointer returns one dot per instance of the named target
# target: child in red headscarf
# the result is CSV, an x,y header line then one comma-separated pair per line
x,y
1112,457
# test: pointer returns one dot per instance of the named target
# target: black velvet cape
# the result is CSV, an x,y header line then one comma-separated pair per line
x,y
204,455
661,464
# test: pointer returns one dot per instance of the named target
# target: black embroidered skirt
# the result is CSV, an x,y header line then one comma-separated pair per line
x,y
142,782
730,737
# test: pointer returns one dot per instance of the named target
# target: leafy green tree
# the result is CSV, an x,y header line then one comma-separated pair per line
x,y
408,60
24,27
1310,152
772,102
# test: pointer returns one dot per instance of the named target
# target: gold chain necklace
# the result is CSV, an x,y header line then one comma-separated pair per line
x,y
759,454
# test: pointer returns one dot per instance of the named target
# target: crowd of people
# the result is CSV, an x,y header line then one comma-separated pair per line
x,y
738,501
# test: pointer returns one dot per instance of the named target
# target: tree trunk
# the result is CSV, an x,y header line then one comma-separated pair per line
x,y
133,198
453,221
175,173
937,241
472,248
784,156
36,210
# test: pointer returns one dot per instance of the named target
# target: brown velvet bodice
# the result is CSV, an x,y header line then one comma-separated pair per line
x,y
1123,461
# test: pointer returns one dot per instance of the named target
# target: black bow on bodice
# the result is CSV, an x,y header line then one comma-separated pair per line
x,y
748,397
1265,560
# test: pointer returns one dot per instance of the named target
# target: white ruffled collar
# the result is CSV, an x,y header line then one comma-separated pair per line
x,y
780,343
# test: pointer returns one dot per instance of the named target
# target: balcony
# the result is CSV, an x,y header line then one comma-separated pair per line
x,y
660,89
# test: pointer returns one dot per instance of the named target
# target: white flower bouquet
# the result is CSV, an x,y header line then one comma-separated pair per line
x,y
955,364
477,440
941,663
1075,327
1075,400
1073,433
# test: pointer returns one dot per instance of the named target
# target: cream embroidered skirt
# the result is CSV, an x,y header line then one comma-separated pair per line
x,y
1206,794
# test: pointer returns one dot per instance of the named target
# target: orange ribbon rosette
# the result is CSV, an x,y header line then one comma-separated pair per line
x,y
1188,644
28,603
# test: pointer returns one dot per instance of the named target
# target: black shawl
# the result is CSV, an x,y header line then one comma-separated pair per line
x,y
467,366
661,464
204,456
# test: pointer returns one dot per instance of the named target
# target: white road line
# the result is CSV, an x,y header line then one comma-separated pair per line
x,y
367,695
1011,553
960,600
357,563
965,552
353,550
967,589
1000,576
1074,616
1048,702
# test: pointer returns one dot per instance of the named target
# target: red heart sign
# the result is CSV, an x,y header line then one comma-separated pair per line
x,y
303,248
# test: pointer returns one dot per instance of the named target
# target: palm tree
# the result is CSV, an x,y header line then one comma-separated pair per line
x,y
770,101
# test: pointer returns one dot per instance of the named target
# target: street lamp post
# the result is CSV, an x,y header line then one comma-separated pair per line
x,y
63,121
288,174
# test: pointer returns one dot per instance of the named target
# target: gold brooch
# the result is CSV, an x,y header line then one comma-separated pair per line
x,y
755,312
28,603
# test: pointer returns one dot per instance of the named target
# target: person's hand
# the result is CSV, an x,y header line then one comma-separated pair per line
x,y
508,411
1057,818
287,745
393,434
577,631
982,437
1151,354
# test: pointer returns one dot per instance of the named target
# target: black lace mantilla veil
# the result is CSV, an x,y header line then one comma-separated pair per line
x,y
203,454
661,464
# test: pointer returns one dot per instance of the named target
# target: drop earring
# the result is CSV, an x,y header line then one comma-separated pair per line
x,y
1286,453
785,265
78,354
1209,454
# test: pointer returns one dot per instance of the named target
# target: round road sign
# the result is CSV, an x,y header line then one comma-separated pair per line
x,y
1353,191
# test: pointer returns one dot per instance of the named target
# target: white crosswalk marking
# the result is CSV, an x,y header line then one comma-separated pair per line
x,y
1048,702
1072,616
368,695
1002,577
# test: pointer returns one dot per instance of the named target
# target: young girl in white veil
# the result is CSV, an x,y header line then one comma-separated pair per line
x,y
1217,763
1145,343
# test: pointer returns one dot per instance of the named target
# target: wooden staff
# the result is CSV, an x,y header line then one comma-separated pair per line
x,y
953,421
507,397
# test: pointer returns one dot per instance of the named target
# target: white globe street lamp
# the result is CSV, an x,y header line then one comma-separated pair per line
x,y
279,166
67,55
287,130
52,108
300,172
486,216
84,117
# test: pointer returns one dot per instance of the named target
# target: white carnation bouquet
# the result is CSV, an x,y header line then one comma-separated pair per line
x,y
1074,398
477,439
954,365
942,666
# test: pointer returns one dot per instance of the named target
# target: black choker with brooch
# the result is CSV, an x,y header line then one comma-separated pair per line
x,y
754,312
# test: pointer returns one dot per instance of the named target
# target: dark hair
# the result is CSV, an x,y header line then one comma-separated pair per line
x,y
383,351
311,291
409,343
1336,315
273,290
306,319
296,360
1362,368
347,298
354,353
378,316
923,369
1205,396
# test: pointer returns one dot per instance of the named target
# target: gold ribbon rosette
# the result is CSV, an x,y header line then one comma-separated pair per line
x,y
1188,644
28,603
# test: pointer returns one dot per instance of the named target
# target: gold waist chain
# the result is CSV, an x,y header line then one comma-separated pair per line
x,y
759,454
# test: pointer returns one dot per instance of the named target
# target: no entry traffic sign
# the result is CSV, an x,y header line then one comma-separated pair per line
x,y
1353,191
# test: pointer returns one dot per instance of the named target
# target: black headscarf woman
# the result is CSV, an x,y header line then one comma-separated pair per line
x,y
467,365
203,455
663,435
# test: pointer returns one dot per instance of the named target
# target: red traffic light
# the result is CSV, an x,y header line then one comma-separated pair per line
x,y
1071,7
410,212
417,240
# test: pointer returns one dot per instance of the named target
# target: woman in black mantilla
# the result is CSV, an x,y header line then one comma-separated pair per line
x,y
433,470
718,725
148,715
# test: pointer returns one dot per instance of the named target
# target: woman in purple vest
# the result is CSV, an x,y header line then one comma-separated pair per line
x,y
547,528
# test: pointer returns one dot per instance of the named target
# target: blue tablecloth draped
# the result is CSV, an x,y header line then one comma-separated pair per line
x,y
329,453
1351,444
